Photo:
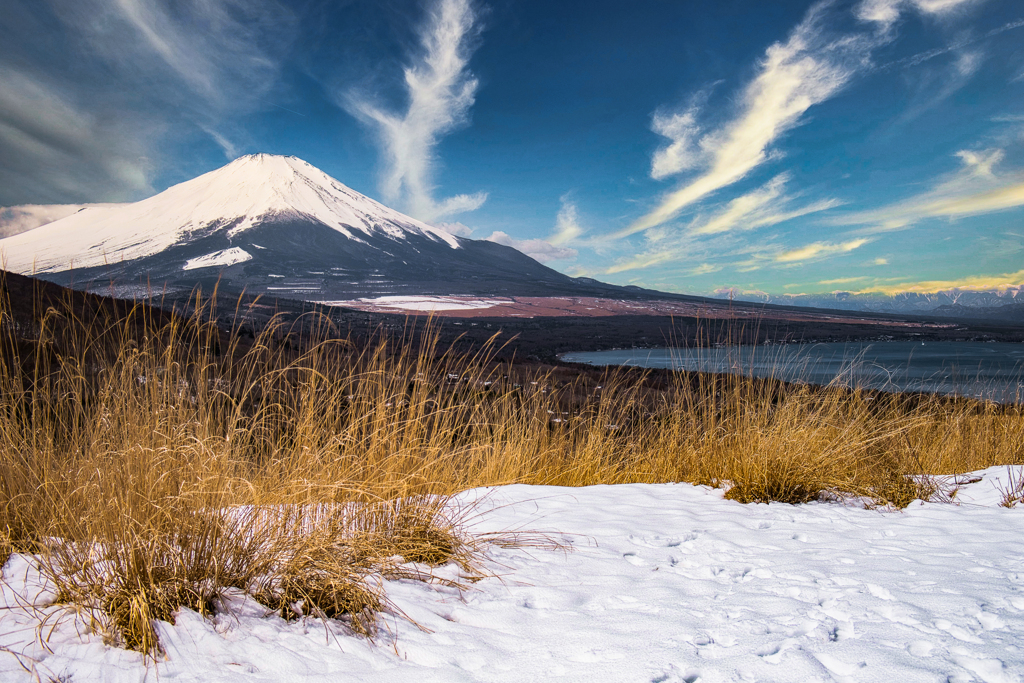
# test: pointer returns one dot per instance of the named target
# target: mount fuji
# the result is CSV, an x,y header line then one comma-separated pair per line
x,y
275,225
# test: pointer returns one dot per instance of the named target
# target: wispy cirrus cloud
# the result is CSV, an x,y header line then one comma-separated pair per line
x,y
91,88
978,187
811,66
808,68
972,283
885,13
762,207
844,280
440,89
227,52
765,206
817,250
56,151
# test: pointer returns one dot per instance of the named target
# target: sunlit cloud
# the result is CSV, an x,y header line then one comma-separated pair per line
x,y
704,269
440,90
641,261
763,207
538,249
844,280
807,69
977,188
567,224
973,283
810,67
885,13
819,250
684,151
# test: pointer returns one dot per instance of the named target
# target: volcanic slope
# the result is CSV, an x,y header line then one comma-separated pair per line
x,y
275,225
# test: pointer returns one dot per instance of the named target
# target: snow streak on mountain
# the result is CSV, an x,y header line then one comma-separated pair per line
x,y
273,224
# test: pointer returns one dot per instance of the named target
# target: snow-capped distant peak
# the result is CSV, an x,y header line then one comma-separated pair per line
x,y
249,191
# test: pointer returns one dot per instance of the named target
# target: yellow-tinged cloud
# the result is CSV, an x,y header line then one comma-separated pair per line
x,y
819,249
843,280
763,207
971,283
974,190
807,69
642,261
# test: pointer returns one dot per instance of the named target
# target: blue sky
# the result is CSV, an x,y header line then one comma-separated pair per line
x,y
785,147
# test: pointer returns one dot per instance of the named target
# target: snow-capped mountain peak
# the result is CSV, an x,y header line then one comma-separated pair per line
x,y
250,191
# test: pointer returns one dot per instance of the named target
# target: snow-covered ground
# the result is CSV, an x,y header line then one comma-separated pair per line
x,y
419,303
658,583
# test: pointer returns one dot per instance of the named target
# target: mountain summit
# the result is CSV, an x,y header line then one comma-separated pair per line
x,y
274,224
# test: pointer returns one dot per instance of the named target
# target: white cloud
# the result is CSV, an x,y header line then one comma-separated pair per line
x,y
441,91
811,66
129,74
567,224
538,249
807,69
940,84
457,229
885,13
819,250
973,283
707,236
683,153
763,207
15,220
977,188
53,150
704,269
228,147
225,53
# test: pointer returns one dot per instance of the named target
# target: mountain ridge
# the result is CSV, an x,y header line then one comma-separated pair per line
x,y
278,225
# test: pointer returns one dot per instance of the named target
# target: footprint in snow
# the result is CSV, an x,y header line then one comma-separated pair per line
x,y
675,675
633,559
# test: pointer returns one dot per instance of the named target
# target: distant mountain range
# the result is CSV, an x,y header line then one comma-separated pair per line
x,y
1005,304
276,225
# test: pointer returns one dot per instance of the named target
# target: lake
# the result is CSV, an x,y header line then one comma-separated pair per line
x,y
989,370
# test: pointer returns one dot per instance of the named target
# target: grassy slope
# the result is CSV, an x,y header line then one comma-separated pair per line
x,y
153,461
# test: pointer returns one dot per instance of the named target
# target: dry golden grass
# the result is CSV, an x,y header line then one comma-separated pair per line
x,y
154,471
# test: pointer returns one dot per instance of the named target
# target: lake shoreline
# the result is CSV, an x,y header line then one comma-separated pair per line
x,y
977,370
